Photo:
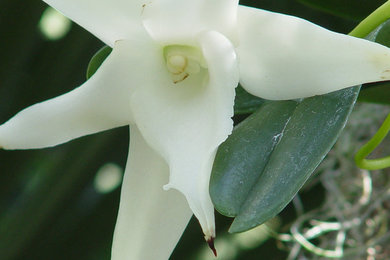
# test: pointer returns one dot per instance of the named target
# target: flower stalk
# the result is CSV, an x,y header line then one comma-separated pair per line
x,y
372,21
366,26
369,147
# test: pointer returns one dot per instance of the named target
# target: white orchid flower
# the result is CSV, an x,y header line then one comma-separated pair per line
x,y
171,77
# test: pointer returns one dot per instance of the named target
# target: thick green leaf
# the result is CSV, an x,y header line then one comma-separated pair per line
x,y
97,60
309,135
245,153
269,156
351,9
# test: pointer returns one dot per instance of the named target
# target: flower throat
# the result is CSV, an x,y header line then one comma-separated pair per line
x,y
183,61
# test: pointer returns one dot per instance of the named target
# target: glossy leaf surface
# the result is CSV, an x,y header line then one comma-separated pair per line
x,y
271,154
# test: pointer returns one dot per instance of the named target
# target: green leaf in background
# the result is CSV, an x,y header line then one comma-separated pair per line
x,y
351,9
271,154
378,92
246,103
97,60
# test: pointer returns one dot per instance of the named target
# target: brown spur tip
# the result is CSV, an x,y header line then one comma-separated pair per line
x,y
210,242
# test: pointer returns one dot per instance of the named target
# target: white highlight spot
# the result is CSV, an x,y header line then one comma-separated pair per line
x,y
54,25
108,178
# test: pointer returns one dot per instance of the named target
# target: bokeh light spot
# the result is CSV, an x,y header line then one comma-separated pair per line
x,y
108,178
53,25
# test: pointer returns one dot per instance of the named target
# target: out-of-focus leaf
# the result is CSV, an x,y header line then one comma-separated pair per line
x,y
377,93
54,181
351,9
270,155
97,60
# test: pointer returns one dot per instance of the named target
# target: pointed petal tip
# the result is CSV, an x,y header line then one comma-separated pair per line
x,y
345,61
210,242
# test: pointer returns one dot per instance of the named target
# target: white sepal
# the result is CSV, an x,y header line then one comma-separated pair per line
x,y
285,57
108,20
179,22
150,220
99,104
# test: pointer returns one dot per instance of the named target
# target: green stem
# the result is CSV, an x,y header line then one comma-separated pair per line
x,y
374,164
366,26
375,19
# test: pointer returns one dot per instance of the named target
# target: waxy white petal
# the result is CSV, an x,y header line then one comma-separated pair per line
x,y
99,104
179,22
150,220
109,20
187,121
285,57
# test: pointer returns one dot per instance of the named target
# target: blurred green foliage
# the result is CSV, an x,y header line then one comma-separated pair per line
x,y
350,9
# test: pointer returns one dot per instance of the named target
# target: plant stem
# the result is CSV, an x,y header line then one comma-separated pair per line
x,y
366,26
374,164
372,21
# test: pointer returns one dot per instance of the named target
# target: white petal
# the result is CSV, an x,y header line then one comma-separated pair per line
x,y
108,20
150,220
284,57
173,21
186,122
99,104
